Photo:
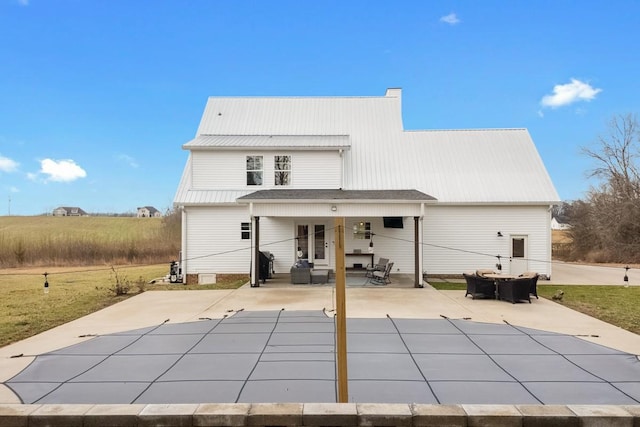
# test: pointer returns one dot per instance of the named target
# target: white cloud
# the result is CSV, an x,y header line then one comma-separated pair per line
x,y
8,165
450,19
61,170
13,189
128,160
569,93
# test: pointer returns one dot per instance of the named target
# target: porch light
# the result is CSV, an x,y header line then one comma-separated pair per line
x,y
370,248
334,208
500,234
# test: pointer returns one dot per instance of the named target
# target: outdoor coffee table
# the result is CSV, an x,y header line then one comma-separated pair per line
x,y
319,276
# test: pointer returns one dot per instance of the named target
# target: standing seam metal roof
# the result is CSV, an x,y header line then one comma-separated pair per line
x,y
454,166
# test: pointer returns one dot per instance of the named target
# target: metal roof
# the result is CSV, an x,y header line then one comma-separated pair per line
x,y
491,166
324,194
304,142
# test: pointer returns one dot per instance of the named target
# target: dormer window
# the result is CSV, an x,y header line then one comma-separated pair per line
x,y
282,170
254,170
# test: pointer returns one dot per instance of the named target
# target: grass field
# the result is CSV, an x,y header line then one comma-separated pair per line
x,y
617,305
48,240
25,309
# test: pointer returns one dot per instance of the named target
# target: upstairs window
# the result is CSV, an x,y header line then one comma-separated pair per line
x,y
282,170
254,170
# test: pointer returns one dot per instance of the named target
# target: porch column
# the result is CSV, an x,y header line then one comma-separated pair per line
x,y
416,249
255,279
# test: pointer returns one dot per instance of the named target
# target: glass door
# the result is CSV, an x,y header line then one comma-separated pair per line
x,y
319,245
519,262
311,244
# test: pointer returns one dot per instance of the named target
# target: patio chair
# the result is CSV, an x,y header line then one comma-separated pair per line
x,y
478,286
514,290
300,275
533,282
380,266
382,277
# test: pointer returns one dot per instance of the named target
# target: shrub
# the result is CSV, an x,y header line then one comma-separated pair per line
x,y
120,285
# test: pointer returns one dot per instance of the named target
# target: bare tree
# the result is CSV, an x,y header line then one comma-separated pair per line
x,y
606,226
617,157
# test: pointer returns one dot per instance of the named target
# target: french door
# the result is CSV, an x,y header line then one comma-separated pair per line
x,y
312,244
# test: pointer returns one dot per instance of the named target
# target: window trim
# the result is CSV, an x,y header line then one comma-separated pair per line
x,y
245,231
257,172
286,172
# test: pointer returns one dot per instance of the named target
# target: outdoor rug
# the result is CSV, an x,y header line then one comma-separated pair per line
x,y
289,356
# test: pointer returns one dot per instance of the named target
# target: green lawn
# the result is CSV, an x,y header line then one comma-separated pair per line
x,y
25,309
617,305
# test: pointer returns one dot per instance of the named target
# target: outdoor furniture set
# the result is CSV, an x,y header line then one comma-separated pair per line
x,y
489,284
303,273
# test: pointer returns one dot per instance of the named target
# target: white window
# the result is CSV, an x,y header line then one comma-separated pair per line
x,y
362,230
282,170
245,230
254,170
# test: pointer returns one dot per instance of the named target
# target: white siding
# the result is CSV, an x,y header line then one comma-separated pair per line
x,y
226,170
216,231
277,236
214,243
396,244
471,233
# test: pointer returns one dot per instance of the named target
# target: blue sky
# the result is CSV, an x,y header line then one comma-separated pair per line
x,y
98,96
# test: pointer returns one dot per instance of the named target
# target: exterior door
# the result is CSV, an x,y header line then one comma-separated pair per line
x,y
519,263
312,243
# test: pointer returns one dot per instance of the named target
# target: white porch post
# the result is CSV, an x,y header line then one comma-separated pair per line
x,y
417,253
183,253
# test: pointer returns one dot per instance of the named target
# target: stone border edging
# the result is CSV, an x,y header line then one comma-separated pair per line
x,y
317,415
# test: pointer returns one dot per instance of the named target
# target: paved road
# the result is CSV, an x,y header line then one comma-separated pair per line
x,y
578,274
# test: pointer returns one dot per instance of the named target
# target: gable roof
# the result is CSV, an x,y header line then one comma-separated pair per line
x,y
151,209
487,166
72,209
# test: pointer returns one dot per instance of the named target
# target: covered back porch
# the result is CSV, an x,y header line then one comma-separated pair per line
x,y
301,224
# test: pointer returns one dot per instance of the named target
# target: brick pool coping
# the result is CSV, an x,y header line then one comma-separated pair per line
x,y
318,415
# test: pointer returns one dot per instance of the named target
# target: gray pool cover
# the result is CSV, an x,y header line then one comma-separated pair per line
x,y
283,356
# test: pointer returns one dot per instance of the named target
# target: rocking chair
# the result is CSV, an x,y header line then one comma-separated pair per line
x,y
382,277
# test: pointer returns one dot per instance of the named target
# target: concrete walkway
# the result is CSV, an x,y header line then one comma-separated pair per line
x,y
581,274
154,308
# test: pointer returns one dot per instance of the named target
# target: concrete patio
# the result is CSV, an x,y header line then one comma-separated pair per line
x,y
173,315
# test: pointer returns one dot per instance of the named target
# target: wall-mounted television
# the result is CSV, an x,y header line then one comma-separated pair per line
x,y
392,222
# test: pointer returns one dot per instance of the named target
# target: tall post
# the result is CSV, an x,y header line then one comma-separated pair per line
x,y
416,250
256,253
341,312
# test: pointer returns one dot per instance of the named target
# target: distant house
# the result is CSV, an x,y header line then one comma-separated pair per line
x,y
148,212
556,225
69,211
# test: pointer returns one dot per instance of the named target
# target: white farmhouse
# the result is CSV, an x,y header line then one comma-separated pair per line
x,y
271,173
